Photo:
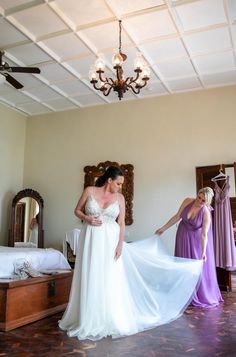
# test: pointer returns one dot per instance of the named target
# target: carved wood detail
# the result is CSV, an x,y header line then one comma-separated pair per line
x,y
93,172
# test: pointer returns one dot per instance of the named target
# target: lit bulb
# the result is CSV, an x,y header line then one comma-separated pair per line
x,y
139,82
92,74
100,63
117,59
146,72
139,62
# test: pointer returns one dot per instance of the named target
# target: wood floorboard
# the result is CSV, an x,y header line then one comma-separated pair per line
x,y
198,333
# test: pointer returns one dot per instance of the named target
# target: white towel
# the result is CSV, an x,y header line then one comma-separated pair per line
x,y
71,237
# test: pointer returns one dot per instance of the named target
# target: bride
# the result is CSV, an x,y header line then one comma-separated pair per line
x,y
119,289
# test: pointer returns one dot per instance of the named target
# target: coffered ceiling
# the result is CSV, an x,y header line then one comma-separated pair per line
x,y
188,44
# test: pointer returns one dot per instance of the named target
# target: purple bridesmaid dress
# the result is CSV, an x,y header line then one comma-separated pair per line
x,y
189,245
225,252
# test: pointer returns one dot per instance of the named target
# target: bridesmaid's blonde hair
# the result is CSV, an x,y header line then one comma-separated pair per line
x,y
208,193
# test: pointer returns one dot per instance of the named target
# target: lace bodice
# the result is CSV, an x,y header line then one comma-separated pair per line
x,y
109,213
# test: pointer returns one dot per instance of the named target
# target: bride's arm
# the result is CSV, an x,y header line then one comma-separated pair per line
x,y
79,209
121,222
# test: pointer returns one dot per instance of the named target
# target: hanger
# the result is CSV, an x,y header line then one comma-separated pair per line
x,y
220,176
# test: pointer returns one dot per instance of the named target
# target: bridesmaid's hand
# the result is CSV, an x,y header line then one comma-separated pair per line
x,y
159,231
118,250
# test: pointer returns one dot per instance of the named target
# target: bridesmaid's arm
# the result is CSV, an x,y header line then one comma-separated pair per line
x,y
205,228
121,222
175,218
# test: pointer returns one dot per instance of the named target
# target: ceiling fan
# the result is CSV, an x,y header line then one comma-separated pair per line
x,y
5,68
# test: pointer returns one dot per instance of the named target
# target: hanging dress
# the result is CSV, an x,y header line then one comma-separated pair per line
x,y
189,245
143,289
225,251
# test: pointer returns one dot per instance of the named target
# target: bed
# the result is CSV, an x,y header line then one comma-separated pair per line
x,y
42,260
28,300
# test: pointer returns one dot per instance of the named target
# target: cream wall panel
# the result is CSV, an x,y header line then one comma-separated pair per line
x,y
164,138
12,145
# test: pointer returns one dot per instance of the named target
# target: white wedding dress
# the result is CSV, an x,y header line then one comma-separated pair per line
x,y
144,288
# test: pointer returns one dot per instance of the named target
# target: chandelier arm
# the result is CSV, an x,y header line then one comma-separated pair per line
x,y
100,77
145,82
132,79
96,87
108,92
133,89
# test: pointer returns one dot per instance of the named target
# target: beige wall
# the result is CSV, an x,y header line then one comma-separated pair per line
x,y
164,138
12,145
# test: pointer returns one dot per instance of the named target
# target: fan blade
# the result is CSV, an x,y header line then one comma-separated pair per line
x,y
13,81
24,69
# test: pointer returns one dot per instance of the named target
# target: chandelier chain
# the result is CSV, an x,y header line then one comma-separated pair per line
x,y
119,36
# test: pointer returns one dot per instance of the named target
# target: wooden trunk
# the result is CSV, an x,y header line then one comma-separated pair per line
x,y
25,301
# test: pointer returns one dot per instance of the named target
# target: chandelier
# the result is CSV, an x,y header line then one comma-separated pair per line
x,y
120,84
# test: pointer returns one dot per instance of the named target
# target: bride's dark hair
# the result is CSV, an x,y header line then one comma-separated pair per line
x,y
111,172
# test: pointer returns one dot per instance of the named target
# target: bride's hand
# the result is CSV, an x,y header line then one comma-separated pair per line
x,y
118,250
94,220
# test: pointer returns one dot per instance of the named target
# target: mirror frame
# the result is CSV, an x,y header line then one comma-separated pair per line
x,y
28,192
93,172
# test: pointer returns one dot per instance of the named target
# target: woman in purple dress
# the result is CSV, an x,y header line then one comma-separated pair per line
x,y
194,239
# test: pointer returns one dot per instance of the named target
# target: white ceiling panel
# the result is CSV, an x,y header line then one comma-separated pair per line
x,y
175,69
60,104
65,47
152,89
54,72
27,80
38,21
218,62
232,10
96,35
216,79
34,108
122,7
29,54
89,100
207,41
159,24
43,93
73,87
201,13
188,45
15,97
81,13
184,84
82,66
234,35
13,36
8,4
159,51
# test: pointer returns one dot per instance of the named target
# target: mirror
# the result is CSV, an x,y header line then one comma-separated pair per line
x,y
26,227
93,172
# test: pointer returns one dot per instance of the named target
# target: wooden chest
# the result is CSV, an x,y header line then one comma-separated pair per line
x,y
25,301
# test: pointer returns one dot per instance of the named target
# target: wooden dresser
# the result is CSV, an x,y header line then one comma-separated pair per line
x,y
25,301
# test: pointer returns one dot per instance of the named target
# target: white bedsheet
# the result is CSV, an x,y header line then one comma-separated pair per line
x,y
40,259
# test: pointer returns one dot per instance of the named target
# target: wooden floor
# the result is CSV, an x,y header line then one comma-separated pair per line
x,y
198,333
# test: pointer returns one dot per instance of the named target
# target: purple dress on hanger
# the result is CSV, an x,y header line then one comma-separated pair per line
x,y
225,251
189,245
